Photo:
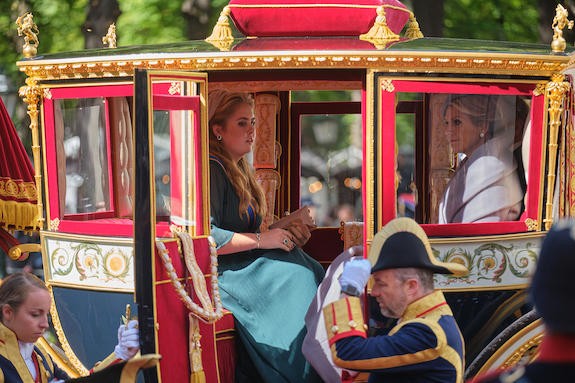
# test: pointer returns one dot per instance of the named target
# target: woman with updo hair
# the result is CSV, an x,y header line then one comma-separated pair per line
x,y
486,185
265,280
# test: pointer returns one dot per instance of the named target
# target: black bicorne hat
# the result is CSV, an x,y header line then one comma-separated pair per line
x,y
403,243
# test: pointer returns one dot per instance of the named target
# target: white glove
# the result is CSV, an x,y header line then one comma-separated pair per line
x,y
128,341
356,273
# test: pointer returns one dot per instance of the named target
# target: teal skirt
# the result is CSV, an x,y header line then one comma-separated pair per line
x,y
269,292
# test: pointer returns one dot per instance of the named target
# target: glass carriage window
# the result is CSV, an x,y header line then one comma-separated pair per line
x,y
331,164
462,153
331,155
477,138
82,124
162,145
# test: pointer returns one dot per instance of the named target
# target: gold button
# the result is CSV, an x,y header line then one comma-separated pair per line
x,y
352,324
47,374
335,329
365,327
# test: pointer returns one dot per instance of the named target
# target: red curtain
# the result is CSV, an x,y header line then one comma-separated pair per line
x,y
18,194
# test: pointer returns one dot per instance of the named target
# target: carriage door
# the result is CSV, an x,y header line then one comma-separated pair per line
x,y
170,187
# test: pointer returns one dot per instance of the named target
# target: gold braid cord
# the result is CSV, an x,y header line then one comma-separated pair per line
x,y
205,313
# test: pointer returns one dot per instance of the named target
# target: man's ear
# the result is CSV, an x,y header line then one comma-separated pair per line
x,y
412,286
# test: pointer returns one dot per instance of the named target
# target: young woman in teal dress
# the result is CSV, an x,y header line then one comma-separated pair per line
x,y
265,280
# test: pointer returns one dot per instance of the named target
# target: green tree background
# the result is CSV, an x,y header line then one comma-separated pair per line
x,y
67,25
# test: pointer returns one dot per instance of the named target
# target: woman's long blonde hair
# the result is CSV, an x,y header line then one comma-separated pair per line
x,y
222,105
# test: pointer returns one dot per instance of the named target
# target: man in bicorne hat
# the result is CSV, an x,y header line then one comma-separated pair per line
x,y
426,344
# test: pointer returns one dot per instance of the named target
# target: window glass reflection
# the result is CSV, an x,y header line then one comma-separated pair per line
x,y
81,124
484,134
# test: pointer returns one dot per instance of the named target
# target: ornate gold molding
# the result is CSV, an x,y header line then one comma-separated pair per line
x,y
267,106
477,63
31,94
555,90
515,357
63,340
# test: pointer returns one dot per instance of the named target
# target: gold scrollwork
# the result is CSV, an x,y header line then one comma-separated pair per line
x,y
524,350
175,88
539,90
54,224
556,90
531,224
387,85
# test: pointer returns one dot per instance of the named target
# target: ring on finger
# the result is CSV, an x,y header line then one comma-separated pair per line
x,y
285,241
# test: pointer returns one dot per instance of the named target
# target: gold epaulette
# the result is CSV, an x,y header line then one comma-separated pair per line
x,y
344,318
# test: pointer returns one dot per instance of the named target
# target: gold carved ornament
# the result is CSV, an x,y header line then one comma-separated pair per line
x,y
31,94
221,36
413,32
267,106
531,224
560,21
556,90
29,30
110,37
380,34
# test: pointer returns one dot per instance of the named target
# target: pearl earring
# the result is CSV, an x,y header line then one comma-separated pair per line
x,y
482,135
219,137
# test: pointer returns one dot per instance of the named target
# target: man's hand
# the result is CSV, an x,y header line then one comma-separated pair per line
x,y
356,273
128,341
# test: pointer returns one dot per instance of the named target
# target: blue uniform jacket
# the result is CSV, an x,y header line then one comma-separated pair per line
x,y
426,345
13,369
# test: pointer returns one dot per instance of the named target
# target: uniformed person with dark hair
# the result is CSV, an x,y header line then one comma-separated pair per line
x,y
426,344
553,293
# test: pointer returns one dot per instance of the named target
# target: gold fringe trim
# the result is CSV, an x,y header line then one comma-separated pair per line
x,y
198,377
413,32
221,36
380,32
21,215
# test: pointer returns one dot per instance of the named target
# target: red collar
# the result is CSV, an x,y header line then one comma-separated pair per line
x,y
557,348
37,365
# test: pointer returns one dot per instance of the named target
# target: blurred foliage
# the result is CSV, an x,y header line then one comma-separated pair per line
x,y
505,20
150,22
162,21
59,23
